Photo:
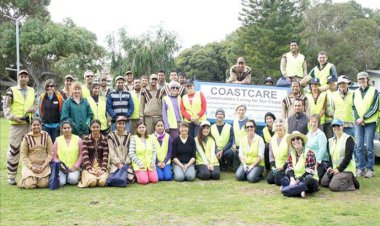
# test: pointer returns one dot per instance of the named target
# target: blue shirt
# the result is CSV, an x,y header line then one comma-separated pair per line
x,y
317,142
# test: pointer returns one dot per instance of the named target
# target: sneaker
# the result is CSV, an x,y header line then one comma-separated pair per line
x,y
11,181
369,174
359,173
303,195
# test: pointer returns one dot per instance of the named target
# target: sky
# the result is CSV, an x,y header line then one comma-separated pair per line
x,y
194,21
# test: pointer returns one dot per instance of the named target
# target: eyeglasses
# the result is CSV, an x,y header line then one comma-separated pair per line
x,y
175,87
89,76
247,127
296,138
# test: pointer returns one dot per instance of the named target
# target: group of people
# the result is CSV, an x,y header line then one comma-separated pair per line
x,y
157,131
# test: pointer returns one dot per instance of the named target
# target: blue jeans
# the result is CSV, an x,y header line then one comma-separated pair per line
x,y
127,127
253,176
53,132
365,134
179,175
164,174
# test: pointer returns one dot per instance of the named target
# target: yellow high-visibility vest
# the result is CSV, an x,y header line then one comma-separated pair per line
x,y
337,150
316,108
343,107
280,151
172,120
222,138
251,153
20,104
363,104
99,110
294,64
195,107
68,153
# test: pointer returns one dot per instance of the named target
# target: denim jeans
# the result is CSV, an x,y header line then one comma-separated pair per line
x,y
253,176
53,132
164,174
365,134
349,130
179,175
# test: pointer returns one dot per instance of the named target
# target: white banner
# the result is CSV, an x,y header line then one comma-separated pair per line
x,y
258,99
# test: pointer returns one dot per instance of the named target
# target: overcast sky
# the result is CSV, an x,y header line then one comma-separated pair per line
x,y
194,21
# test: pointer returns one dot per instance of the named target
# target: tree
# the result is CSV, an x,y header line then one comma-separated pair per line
x,y
268,27
206,63
349,33
145,54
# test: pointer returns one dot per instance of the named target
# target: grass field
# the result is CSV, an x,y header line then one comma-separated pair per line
x,y
224,202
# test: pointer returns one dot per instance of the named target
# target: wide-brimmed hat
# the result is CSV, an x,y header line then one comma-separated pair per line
x,y
295,134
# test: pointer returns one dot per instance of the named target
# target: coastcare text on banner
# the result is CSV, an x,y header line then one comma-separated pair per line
x,y
258,99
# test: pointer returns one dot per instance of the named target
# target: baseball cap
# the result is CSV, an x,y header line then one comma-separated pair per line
x,y
343,79
205,123
69,77
315,81
362,74
337,122
119,77
240,59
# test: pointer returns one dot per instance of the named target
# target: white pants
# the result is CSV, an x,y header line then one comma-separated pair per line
x,y
71,178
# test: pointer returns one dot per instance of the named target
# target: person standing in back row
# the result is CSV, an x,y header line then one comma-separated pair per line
x,y
19,105
293,64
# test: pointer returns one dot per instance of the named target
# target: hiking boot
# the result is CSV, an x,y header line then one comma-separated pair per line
x,y
11,181
369,174
359,173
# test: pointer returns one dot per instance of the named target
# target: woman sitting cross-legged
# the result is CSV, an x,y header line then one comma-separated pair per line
x,y
68,150
163,143
206,160
36,154
183,155
143,154
301,168
251,154
341,176
95,157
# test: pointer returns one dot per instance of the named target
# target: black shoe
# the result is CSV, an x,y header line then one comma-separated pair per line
x,y
356,183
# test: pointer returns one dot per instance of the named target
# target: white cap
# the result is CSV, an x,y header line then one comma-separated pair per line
x,y
205,123
343,79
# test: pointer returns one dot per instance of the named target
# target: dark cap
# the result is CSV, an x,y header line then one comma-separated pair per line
x,y
189,82
269,79
315,81
269,114
331,79
220,110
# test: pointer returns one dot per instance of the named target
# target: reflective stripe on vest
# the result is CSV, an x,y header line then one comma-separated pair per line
x,y
195,107
294,65
99,110
363,104
172,119
238,132
316,108
251,153
343,107
280,151
267,135
162,149
20,105
222,138
136,105
208,153
338,151
144,152
68,154
323,74
299,166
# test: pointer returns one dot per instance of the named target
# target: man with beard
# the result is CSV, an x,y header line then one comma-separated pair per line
x,y
240,73
287,102
119,102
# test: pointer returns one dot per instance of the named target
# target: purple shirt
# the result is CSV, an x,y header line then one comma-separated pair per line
x,y
174,101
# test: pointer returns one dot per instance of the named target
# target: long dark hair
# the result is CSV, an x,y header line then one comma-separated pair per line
x,y
201,137
141,122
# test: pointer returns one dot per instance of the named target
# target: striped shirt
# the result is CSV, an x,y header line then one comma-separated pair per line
x,y
92,149
119,103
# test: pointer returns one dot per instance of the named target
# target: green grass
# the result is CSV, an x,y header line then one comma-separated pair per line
x,y
224,202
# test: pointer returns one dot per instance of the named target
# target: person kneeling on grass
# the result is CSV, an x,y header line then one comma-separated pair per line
x,y
206,160
341,176
278,153
183,155
302,176
163,143
95,157
36,154
68,150
143,154
118,144
251,154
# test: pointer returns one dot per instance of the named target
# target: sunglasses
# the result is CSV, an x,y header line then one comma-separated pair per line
x,y
89,76
335,126
51,86
154,79
175,87
247,127
296,138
